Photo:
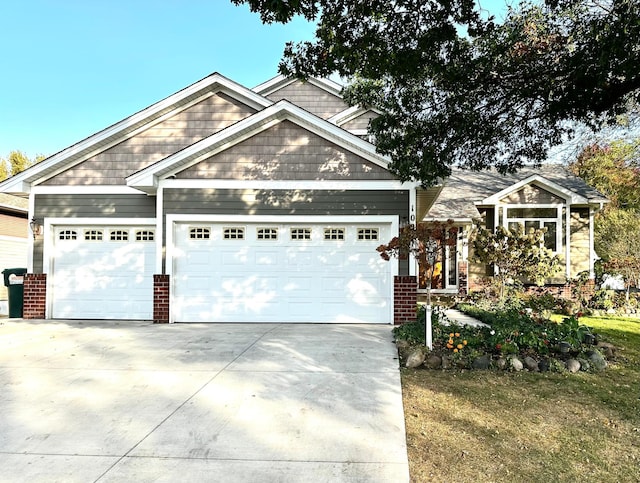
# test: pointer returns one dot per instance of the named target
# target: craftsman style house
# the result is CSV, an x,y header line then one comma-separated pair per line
x,y
227,204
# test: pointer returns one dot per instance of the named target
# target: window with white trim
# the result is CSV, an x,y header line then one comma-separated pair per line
x,y
334,233
68,235
234,233
93,235
144,235
199,233
368,234
119,235
536,218
301,233
267,233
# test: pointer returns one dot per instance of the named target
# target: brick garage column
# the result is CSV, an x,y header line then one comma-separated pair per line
x,y
35,296
161,299
405,299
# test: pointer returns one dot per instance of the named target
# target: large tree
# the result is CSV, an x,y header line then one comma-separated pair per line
x,y
458,87
17,162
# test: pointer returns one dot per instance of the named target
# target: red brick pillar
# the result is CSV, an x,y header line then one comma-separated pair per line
x,y
405,299
35,296
161,299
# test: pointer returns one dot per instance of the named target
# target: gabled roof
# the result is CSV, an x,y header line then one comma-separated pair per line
x,y
464,190
147,179
280,81
116,133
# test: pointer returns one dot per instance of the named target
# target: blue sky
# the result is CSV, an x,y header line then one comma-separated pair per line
x,y
69,68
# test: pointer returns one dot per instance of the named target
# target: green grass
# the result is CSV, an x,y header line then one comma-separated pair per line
x,y
500,426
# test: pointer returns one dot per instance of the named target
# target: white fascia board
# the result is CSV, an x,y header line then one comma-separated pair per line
x,y
209,85
246,128
278,82
15,185
272,85
299,185
540,181
350,114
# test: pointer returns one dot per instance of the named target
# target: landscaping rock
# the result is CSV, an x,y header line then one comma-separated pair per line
x,y
608,349
531,364
402,344
501,363
415,359
516,364
483,362
597,361
543,365
584,364
446,362
433,362
572,365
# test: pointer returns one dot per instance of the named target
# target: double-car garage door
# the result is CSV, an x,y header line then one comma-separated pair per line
x,y
226,272
280,272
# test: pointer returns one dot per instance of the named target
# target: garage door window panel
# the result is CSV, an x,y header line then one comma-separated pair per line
x,y
68,235
234,233
199,233
334,233
93,235
144,235
267,234
119,235
298,234
368,234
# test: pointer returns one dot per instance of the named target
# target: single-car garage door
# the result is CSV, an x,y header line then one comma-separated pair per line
x,y
280,272
102,272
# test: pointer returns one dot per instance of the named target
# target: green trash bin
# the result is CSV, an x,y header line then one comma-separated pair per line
x,y
14,281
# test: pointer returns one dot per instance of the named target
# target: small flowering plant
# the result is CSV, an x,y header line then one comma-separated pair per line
x,y
455,342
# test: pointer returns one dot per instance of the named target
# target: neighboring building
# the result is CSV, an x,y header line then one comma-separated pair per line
x,y
227,204
13,239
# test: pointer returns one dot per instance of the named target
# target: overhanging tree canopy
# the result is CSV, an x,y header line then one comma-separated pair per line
x,y
458,87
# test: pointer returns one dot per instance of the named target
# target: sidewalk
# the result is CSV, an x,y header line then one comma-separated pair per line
x,y
459,318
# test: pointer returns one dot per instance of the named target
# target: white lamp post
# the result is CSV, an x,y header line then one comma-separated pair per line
x,y
431,250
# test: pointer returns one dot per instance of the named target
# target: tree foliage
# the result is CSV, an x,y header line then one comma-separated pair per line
x,y
17,162
423,241
458,87
516,255
612,169
617,241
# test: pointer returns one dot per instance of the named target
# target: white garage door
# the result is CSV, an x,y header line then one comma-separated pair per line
x,y
102,272
270,272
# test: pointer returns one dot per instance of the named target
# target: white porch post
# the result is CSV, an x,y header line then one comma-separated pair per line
x,y
568,242
592,252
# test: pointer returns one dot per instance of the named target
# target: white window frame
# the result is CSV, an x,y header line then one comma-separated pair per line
x,y
557,219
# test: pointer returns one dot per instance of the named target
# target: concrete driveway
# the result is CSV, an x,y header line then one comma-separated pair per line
x,y
131,401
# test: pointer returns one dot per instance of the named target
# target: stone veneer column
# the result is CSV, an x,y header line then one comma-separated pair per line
x,y
161,299
35,296
405,299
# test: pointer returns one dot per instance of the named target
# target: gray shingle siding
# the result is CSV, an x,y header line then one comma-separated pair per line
x,y
311,98
286,152
113,165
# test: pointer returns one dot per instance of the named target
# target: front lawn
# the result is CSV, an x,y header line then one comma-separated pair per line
x,y
524,426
